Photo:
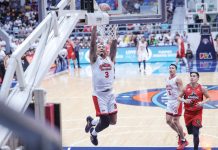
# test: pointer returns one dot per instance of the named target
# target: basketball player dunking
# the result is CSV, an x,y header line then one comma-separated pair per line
x,y
102,65
174,107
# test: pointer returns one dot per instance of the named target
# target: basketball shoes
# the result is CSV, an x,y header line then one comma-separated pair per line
x,y
179,139
88,124
93,138
182,145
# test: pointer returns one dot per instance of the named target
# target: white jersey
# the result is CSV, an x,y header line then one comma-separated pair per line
x,y
172,89
142,46
102,75
142,51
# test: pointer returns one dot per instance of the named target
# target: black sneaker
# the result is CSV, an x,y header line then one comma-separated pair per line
x,y
89,124
93,138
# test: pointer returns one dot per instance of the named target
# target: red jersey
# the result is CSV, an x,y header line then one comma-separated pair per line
x,y
70,51
182,51
196,95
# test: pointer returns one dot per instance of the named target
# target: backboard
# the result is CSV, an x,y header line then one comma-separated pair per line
x,y
132,11
195,6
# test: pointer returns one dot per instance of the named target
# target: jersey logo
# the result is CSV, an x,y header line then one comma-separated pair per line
x,y
193,96
105,66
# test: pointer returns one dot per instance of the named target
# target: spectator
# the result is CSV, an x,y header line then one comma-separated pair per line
x,y
77,49
216,45
189,53
2,67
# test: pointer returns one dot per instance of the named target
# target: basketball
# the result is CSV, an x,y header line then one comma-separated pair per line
x,y
104,7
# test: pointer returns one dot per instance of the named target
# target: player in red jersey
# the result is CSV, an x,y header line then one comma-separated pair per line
x,y
193,102
70,52
181,51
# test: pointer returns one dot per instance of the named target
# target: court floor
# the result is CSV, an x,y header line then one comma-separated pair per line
x,y
141,115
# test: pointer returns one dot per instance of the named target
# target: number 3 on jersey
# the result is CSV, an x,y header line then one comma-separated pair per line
x,y
106,74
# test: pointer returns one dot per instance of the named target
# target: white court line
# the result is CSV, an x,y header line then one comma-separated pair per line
x,y
135,132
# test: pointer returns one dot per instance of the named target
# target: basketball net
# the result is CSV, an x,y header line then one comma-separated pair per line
x,y
107,32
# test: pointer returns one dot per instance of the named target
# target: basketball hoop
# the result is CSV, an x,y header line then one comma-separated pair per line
x,y
107,32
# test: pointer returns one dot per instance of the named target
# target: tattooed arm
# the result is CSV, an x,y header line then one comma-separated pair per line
x,y
93,46
113,50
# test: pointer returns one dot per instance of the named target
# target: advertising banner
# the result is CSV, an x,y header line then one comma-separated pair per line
x,y
128,54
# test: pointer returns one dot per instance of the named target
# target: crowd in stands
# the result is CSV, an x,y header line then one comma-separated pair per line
x,y
130,39
18,20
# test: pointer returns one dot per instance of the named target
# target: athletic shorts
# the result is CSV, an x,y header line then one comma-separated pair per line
x,y
194,118
104,104
141,56
174,108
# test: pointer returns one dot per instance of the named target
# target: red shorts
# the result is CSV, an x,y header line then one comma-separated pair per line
x,y
71,56
181,55
193,117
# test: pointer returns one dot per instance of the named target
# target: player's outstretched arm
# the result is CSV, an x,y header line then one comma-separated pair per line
x,y
93,46
113,50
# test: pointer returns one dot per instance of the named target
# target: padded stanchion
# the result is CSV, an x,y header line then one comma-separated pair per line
x,y
49,114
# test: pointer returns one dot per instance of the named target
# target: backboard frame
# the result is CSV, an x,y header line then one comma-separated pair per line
x,y
116,16
197,5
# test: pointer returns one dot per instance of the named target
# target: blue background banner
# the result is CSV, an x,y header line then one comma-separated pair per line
x,y
128,54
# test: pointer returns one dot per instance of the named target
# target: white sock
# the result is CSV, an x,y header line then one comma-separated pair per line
x,y
95,121
94,133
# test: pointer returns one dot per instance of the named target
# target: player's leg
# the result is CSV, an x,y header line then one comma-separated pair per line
x,y
169,120
103,123
112,109
113,118
179,127
182,142
101,110
195,137
186,63
90,122
139,63
177,58
176,119
74,63
169,116
144,63
197,124
177,61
